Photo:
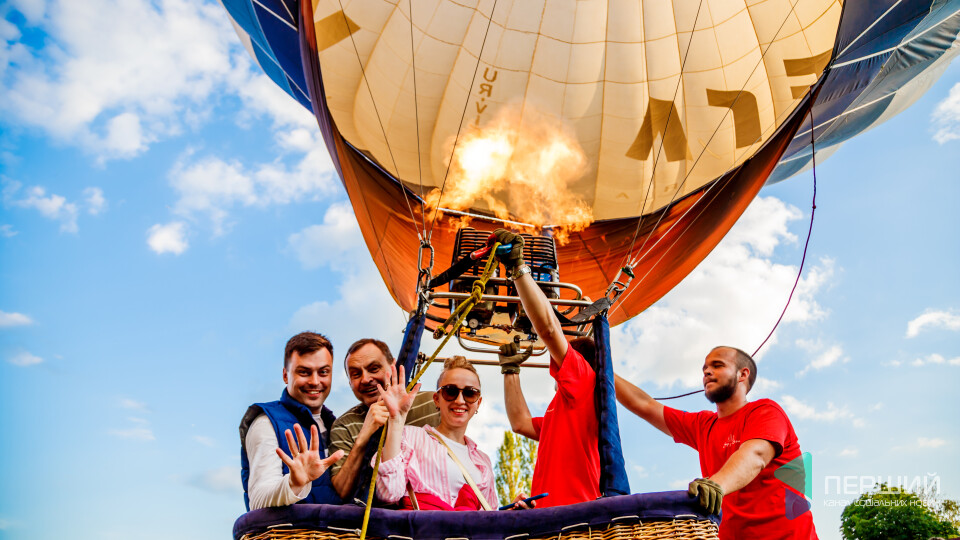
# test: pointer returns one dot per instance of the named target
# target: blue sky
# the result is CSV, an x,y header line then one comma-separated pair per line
x,y
169,219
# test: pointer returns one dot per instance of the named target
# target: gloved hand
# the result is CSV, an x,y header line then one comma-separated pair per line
x,y
510,357
708,493
515,257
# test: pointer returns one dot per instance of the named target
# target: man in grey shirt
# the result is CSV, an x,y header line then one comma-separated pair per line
x,y
368,363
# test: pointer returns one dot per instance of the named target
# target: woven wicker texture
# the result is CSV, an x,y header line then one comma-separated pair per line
x,y
678,529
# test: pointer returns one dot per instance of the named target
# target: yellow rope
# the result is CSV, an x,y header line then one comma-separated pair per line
x,y
476,295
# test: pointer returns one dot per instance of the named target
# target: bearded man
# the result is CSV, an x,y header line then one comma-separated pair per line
x,y
741,445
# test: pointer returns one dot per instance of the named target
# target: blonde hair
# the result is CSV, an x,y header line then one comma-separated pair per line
x,y
457,362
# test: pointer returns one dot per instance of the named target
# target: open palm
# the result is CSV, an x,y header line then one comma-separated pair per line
x,y
396,398
305,463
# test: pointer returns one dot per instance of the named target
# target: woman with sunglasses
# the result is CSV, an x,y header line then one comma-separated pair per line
x,y
422,457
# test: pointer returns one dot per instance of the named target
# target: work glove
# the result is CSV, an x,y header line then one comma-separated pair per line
x,y
709,494
510,357
514,258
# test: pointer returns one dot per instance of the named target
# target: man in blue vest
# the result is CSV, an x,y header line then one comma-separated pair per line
x,y
279,466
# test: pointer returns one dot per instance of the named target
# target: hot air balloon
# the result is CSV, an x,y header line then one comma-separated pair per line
x,y
626,137
663,100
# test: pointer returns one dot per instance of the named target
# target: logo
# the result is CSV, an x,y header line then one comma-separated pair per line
x,y
798,475
732,441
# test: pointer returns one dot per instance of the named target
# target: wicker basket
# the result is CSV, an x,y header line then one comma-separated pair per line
x,y
679,529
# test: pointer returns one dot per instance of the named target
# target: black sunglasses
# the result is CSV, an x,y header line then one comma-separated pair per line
x,y
451,391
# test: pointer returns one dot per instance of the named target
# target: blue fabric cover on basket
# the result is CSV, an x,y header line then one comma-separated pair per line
x,y
613,473
411,343
474,525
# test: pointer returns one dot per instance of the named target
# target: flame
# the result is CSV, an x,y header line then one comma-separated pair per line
x,y
519,166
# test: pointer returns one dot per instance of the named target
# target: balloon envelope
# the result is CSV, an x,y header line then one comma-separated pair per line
x,y
680,111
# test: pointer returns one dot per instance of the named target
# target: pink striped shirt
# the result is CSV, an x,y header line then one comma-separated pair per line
x,y
423,463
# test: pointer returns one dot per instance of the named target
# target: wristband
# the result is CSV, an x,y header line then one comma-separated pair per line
x,y
519,272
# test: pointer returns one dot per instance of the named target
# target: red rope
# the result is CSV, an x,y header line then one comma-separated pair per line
x,y
813,210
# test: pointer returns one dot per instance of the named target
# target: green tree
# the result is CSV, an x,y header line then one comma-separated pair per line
x,y
891,513
515,459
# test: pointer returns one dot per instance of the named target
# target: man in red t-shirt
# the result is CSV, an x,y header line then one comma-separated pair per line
x,y
568,459
741,445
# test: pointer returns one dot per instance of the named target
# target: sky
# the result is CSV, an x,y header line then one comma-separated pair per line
x,y
170,218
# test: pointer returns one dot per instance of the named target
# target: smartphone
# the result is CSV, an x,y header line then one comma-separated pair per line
x,y
527,500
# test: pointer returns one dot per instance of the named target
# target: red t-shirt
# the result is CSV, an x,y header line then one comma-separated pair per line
x,y
758,509
568,461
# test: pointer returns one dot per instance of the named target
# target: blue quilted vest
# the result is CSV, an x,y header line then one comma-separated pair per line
x,y
283,414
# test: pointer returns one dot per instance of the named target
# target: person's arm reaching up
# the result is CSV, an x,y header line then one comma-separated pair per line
x,y
521,422
640,403
535,303
345,479
398,402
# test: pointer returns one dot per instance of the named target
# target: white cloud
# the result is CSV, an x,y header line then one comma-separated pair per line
x,y
680,484
204,440
948,320
95,201
32,10
337,242
935,359
221,480
132,404
212,187
829,357
124,134
732,298
169,238
925,442
134,434
14,319
640,471
53,206
24,359
947,117
763,388
800,410
849,452
6,231
114,88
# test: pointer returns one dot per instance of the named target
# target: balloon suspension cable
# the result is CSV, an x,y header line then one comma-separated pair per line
x,y
416,116
806,245
376,110
640,252
813,210
456,318
463,115
663,139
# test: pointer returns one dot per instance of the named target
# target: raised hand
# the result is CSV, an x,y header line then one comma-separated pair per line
x,y
510,357
515,257
395,396
305,463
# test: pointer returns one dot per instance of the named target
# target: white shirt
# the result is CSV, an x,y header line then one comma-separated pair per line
x,y
454,474
267,485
